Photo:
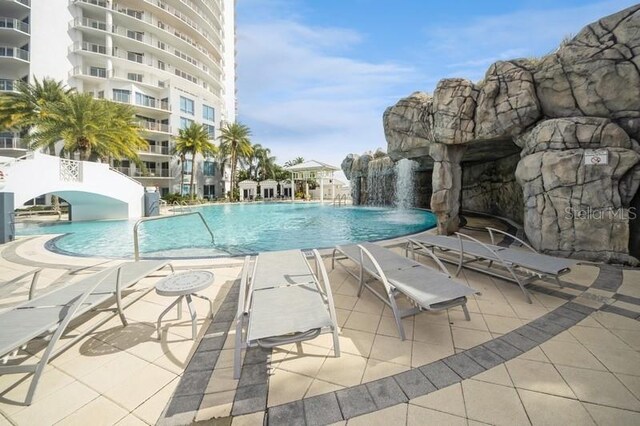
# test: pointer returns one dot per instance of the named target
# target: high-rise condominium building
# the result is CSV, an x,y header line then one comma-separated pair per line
x,y
173,60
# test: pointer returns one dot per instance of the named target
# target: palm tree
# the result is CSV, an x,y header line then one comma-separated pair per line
x,y
24,107
265,167
297,160
93,128
194,140
234,145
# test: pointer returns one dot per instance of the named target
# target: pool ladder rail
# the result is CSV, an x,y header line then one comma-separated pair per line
x,y
136,248
340,199
180,207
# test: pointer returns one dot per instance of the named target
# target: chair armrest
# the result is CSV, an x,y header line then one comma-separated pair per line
x,y
34,281
475,240
492,230
433,256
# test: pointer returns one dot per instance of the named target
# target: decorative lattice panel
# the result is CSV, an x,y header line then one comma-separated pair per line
x,y
70,170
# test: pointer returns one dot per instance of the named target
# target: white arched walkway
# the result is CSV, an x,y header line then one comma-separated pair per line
x,y
93,190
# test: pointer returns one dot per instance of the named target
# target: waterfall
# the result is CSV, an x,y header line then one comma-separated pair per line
x,y
405,191
380,178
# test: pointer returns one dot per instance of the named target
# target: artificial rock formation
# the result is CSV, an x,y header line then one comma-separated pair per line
x,y
583,96
578,208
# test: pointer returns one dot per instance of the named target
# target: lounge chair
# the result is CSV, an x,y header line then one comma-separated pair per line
x,y
283,302
49,315
32,286
426,288
517,265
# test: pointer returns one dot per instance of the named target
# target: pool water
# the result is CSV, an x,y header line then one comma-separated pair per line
x,y
238,229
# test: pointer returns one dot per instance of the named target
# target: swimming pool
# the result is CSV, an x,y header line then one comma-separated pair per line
x,y
238,228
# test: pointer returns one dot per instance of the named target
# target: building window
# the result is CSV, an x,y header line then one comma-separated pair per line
x,y
185,189
135,57
209,168
144,100
98,72
136,35
185,122
186,105
188,166
209,191
120,95
134,77
211,130
208,113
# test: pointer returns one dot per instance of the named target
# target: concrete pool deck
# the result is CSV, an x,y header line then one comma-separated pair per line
x,y
571,357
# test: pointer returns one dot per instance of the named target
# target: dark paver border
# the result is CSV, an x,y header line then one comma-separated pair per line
x,y
252,392
359,400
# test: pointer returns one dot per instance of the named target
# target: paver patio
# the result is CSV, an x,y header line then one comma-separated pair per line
x,y
571,357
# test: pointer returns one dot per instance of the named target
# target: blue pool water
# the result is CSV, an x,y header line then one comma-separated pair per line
x,y
238,229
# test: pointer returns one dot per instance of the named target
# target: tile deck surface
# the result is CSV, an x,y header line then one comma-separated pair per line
x,y
570,357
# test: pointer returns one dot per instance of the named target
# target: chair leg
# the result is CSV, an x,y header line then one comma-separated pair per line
x,y
524,290
175,302
192,312
558,282
336,343
207,299
180,308
466,312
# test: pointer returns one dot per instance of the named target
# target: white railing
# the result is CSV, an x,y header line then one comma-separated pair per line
x,y
89,71
88,47
136,248
89,23
14,52
156,127
15,24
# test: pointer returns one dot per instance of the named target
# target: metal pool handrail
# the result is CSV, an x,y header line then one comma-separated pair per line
x,y
136,249
339,199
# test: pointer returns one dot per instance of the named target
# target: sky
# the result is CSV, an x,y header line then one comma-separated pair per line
x,y
315,76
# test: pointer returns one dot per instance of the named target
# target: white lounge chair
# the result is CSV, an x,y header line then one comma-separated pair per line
x,y
517,265
283,302
426,288
50,314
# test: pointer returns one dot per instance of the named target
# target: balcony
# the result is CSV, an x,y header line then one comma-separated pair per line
x,y
100,3
153,103
88,47
153,173
95,72
88,23
155,127
15,24
156,150
14,52
143,78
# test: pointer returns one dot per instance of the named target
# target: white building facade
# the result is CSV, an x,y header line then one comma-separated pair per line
x,y
173,60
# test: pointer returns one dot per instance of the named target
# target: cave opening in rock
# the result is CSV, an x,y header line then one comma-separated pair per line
x,y
488,179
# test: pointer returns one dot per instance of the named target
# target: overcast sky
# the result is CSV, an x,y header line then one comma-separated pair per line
x,y
315,76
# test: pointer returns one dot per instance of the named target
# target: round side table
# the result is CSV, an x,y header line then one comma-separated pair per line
x,y
184,285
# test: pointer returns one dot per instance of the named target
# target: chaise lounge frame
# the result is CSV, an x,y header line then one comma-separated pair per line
x,y
49,315
277,286
470,250
393,288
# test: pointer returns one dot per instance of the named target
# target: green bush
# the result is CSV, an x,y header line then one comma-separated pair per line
x,y
171,198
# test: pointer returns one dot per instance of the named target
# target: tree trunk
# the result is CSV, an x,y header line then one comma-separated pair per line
x,y
181,173
193,172
233,176
55,203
